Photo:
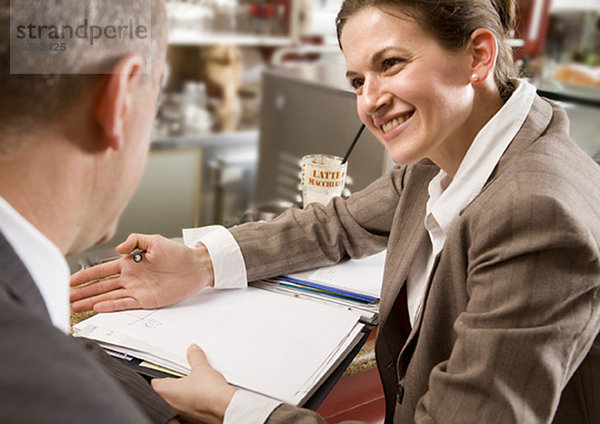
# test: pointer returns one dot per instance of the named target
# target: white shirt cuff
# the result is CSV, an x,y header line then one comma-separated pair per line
x,y
248,407
228,263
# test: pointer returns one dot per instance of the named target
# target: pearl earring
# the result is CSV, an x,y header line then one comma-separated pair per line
x,y
474,78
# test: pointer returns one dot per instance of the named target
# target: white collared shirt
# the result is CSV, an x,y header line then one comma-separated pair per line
x,y
42,259
447,198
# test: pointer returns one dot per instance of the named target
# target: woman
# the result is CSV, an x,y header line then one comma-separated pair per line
x,y
490,294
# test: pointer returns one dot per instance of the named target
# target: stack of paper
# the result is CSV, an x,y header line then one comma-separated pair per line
x,y
354,283
279,346
357,276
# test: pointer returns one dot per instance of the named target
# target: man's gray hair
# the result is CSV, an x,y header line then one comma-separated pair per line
x,y
88,38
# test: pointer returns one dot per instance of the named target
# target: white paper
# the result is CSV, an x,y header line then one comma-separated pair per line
x,y
363,276
259,340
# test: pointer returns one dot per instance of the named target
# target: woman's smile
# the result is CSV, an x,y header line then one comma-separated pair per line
x,y
394,125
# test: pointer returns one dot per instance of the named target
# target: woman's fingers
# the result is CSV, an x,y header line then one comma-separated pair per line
x,y
97,272
196,357
122,304
134,240
116,300
95,289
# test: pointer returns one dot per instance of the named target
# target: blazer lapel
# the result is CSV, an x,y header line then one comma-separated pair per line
x,y
396,270
16,281
405,246
407,349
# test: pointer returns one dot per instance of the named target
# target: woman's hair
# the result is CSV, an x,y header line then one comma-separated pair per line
x,y
452,22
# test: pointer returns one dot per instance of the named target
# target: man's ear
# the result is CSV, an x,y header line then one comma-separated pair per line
x,y
115,98
484,50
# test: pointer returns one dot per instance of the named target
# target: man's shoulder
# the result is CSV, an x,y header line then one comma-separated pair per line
x,y
16,284
45,374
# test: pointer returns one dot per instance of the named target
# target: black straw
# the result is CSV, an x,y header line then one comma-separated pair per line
x,y
356,137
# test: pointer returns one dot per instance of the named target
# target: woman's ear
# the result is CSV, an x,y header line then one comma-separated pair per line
x,y
484,50
115,98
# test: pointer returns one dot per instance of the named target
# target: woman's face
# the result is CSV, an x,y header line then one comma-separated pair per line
x,y
414,95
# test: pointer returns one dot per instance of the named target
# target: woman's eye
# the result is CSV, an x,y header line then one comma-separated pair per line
x,y
356,83
391,62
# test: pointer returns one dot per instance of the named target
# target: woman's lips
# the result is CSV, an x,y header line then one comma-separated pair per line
x,y
395,122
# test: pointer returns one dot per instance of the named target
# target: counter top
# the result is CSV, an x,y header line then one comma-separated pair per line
x,y
364,360
231,139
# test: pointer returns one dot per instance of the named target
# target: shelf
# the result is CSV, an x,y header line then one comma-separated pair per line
x,y
240,137
191,38
575,5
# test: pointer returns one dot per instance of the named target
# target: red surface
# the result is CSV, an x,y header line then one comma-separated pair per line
x,y
355,397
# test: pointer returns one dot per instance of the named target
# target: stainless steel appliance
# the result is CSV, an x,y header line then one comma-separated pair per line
x,y
306,110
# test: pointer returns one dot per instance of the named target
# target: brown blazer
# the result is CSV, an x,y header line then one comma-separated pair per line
x,y
508,330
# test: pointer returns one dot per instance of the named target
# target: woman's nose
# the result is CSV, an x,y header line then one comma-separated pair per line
x,y
374,96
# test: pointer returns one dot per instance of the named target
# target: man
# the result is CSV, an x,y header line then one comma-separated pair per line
x,y
72,149
490,295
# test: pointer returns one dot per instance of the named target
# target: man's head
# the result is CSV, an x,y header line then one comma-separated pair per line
x,y
32,29
81,110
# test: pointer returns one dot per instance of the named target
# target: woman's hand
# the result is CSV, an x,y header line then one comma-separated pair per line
x,y
168,273
203,396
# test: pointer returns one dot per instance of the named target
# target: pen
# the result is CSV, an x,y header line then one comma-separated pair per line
x,y
137,255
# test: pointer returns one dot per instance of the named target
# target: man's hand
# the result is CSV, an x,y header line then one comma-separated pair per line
x,y
169,272
203,396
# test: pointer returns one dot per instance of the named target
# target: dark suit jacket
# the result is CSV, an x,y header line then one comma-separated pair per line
x,y
47,377
508,332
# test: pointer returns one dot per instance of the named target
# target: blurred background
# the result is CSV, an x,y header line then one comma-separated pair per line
x,y
253,85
